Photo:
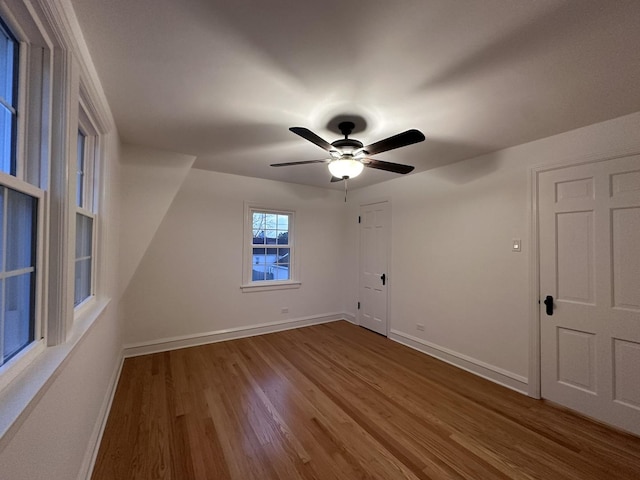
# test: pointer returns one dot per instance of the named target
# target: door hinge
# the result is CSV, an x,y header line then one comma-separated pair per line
x,y
358,305
359,219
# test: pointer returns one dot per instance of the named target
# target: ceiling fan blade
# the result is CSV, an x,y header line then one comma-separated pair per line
x,y
400,140
336,179
388,166
306,162
312,137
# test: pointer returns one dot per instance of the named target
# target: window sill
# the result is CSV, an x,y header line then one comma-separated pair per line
x,y
21,395
84,308
266,286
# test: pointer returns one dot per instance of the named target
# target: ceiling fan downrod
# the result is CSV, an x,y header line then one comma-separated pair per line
x,y
346,128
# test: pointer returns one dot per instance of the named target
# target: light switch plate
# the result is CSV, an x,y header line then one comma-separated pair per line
x,y
516,245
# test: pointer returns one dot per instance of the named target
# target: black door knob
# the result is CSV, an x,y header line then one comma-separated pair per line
x,y
549,304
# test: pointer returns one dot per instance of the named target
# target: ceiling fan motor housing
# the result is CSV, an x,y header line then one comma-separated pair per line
x,y
347,145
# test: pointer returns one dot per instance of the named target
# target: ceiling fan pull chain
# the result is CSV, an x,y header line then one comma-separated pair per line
x,y
345,189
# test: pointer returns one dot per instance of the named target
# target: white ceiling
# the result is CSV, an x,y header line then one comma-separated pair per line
x,y
224,79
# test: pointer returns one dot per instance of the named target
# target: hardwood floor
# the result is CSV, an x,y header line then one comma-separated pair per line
x,y
336,401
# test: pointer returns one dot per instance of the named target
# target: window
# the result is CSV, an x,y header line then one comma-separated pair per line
x,y
21,211
85,219
269,248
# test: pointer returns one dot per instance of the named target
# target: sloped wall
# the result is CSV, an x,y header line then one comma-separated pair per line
x,y
150,180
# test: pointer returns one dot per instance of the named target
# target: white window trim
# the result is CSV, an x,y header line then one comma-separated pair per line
x,y
247,246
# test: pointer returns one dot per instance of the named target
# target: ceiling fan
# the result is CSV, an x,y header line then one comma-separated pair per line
x,y
349,156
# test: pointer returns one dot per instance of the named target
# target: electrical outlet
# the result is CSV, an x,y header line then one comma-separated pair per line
x,y
284,310
420,327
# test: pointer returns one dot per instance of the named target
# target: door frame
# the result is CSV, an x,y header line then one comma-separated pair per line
x,y
535,375
389,285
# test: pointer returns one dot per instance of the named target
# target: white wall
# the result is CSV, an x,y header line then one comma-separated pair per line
x,y
57,437
452,267
188,281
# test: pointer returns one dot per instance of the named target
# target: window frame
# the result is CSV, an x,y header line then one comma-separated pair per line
x,y
248,284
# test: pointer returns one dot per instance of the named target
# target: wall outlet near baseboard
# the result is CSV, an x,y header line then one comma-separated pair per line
x,y
420,327
284,310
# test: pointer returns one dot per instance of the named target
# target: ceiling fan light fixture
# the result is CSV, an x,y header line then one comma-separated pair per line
x,y
346,167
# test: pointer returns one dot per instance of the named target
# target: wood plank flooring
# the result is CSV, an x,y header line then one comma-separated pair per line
x,y
336,401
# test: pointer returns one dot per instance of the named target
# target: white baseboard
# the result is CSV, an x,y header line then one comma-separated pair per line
x,y
91,453
482,369
174,343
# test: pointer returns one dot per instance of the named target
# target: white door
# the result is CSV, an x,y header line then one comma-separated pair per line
x,y
589,220
374,234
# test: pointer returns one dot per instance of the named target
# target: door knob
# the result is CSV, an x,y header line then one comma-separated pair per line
x,y
383,277
549,304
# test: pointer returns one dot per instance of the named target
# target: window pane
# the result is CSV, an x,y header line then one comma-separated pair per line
x,y
270,236
279,272
7,126
83,281
258,228
283,256
8,84
21,215
84,236
3,194
18,314
283,222
258,275
270,221
283,238
80,171
7,65
84,254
